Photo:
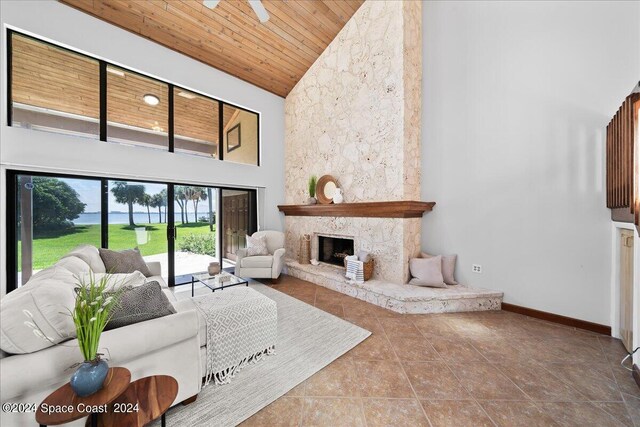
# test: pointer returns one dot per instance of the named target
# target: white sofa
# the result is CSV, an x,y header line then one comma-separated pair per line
x,y
263,266
169,345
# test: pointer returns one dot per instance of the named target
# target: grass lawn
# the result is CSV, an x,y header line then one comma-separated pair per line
x,y
47,250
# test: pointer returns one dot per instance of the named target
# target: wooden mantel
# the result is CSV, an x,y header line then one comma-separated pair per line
x,y
395,209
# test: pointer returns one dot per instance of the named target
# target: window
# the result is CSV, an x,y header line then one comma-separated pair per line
x,y
195,123
137,109
53,89
178,226
53,216
240,135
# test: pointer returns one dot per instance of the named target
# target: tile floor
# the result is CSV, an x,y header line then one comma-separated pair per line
x,y
461,369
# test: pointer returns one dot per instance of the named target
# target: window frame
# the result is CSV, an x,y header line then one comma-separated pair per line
x,y
103,64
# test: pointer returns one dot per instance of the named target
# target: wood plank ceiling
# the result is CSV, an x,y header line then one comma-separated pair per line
x,y
274,55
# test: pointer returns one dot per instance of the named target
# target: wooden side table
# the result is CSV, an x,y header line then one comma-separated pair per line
x,y
72,407
145,400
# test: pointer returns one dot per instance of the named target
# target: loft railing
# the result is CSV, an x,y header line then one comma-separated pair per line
x,y
623,159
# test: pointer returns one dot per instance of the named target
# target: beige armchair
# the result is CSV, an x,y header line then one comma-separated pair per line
x,y
262,266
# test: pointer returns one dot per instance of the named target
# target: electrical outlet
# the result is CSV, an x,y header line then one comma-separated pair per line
x,y
476,268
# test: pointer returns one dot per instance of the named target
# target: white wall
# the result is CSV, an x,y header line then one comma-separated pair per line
x,y
517,96
22,148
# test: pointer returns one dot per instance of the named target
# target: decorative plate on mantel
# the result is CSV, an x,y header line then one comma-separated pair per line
x,y
325,189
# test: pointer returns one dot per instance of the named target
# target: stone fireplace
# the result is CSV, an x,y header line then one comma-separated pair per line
x,y
356,115
391,241
363,128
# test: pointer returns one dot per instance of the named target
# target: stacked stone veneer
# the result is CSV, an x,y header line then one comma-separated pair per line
x,y
356,115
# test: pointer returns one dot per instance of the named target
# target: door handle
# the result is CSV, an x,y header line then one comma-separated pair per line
x,y
172,233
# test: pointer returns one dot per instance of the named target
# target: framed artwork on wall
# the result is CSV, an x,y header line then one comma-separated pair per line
x,y
233,138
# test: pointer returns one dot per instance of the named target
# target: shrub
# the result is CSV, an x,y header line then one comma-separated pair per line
x,y
204,244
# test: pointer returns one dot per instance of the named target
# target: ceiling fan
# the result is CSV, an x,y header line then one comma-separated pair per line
x,y
256,5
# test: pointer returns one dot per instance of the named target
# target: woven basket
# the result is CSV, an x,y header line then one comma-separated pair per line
x,y
367,268
304,255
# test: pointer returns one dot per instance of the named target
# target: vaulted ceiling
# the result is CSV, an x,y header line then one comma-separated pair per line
x,y
272,55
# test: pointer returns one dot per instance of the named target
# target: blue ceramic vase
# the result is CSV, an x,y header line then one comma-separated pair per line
x,y
89,377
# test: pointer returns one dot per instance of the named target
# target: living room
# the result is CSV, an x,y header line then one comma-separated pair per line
x,y
402,132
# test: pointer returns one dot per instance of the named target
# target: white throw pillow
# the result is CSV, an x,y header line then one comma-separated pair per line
x,y
257,246
90,255
427,272
49,298
74,265
448,267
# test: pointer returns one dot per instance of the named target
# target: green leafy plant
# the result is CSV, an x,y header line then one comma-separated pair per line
x,y
313,181
92,312
204,244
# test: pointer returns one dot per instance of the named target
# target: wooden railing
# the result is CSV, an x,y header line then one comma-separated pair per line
x,y
623,158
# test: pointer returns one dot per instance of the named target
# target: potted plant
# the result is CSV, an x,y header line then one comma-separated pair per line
x,y
313,181
91,313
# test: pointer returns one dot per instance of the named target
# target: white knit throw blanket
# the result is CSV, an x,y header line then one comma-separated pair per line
x,y
242,328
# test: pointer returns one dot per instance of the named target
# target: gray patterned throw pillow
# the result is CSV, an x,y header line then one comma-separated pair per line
x,y
126,261
140,303
257,246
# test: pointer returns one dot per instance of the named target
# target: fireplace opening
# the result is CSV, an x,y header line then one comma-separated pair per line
x,y
333,250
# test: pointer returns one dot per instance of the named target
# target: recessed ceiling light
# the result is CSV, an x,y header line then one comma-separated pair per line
x,y
151,99
187,95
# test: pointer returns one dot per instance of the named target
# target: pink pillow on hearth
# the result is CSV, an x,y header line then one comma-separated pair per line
x,y
448,267
426,272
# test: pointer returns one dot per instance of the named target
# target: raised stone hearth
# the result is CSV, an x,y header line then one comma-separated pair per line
x,y
399,298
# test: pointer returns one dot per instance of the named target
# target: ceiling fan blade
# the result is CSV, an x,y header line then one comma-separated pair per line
x,y
259,9
211,3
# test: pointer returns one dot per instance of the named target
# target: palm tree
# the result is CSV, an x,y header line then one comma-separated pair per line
x,y
163,195
147,201
158,201
197,194
194,194
128,194
181,199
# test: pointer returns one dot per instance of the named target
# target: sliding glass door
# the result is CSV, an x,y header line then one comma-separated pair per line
x,y
52,215
183,227
137,218
195,230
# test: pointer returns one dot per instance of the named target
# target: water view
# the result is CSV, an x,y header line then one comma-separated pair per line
x,y
89,218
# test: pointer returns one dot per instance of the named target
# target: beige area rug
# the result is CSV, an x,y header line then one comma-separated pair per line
x,y
308,340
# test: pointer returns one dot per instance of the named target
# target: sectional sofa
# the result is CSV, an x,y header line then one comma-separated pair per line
x,y
31,368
